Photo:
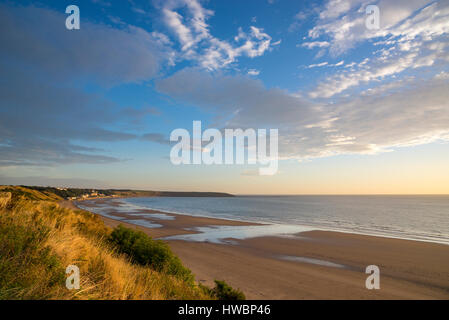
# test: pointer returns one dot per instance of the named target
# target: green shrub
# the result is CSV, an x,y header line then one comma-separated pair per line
x,y
223,291
148,252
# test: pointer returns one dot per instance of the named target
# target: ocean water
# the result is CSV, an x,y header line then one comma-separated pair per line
x,y
424,218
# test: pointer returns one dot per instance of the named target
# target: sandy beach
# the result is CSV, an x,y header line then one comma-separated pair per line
x,y
308,265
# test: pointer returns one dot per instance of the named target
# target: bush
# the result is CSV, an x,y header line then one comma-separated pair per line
x,y
148,252
223,291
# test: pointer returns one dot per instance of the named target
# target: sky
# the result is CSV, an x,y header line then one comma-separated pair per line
x,y
359,110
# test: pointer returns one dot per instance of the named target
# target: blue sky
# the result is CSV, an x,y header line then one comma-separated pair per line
x,y
358,110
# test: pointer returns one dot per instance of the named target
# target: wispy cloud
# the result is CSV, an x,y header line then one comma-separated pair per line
x,y
198,44
253,72
413,34
316,44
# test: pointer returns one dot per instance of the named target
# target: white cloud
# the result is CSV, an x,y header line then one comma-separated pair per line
x,y
336,8
326,64
414,113
395,112
343,21
316,44
198,44
174,21
138,10
413,35
442,75
340,82
322,64
253,72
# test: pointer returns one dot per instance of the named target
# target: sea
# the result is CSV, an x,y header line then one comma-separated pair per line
x,y
422,217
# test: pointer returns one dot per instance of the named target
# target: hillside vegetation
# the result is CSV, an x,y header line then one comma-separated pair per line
x,y
39,239
77,192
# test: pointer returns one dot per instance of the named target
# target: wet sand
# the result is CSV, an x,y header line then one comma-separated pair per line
x,y
308,265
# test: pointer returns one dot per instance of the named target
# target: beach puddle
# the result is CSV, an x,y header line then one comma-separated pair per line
x,y
105,212
109,211
143,223
319,262
159,216
223,234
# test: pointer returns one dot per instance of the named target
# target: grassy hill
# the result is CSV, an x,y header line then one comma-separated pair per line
x,y
39,239
77,192
18,192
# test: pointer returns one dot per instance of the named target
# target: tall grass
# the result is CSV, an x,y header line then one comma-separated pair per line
x,y
39,239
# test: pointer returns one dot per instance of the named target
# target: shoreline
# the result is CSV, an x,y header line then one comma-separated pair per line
x,y
306,226
307,265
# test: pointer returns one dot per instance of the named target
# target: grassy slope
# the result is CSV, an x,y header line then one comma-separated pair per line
x,y
39,239
76,192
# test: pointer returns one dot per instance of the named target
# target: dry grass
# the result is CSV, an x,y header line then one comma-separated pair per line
x,y
39,240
